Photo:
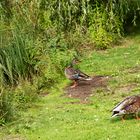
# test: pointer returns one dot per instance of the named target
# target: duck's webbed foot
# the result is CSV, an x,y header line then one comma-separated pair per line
x,y
74,84
123,118
137,116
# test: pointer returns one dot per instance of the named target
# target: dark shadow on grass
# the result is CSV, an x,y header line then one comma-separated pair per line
x,y
127,118
131,30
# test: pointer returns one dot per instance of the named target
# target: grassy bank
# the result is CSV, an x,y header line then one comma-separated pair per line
x,y
55,117
39,38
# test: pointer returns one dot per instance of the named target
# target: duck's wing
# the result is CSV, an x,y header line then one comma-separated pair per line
x,y
70,73
76,74
81,74
125,103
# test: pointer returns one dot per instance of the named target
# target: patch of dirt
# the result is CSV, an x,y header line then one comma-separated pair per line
x,y
87,88
126,88
135,69
123,43
44,94
10,137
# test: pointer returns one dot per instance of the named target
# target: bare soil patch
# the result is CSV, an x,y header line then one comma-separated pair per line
x,y
87,88
126,88
44,94
10,137
135,69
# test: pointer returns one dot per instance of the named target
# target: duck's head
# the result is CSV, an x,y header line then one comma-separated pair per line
x,y
118,113
75,61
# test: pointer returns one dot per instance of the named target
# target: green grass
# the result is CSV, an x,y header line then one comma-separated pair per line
x,y
54,118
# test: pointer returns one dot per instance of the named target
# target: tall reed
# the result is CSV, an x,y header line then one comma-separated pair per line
x,y
18,52
17,46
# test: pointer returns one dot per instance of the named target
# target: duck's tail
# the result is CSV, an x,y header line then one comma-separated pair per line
x,y
88,79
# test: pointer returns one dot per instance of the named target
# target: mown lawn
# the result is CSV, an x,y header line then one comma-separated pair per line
x,y
55,118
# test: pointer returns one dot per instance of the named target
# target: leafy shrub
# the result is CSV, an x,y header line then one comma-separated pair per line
x,y
13,100
7,110
24,94
104,27
56,57
17,51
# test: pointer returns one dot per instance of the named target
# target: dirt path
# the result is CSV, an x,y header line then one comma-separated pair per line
x,y
87,88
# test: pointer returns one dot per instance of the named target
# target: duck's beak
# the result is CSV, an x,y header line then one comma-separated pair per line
x,y
115,113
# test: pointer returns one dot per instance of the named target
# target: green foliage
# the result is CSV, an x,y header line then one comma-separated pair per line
x,y
66,14
18,59
25,94
104,27
14,100
57,57
17,50
98,31
6,107
14,64
103,21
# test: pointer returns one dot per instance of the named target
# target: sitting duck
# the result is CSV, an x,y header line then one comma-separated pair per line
x,y
130,105
74,74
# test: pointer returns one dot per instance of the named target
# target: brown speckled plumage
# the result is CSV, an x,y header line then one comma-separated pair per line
x,y
130,105
74,74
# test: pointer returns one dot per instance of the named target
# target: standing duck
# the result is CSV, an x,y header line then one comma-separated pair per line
x,y
74,74
130,105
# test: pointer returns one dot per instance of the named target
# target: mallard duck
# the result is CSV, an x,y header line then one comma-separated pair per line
x,y
130,105
74,74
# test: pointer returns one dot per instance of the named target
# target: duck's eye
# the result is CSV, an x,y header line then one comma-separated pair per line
x,y
115,112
